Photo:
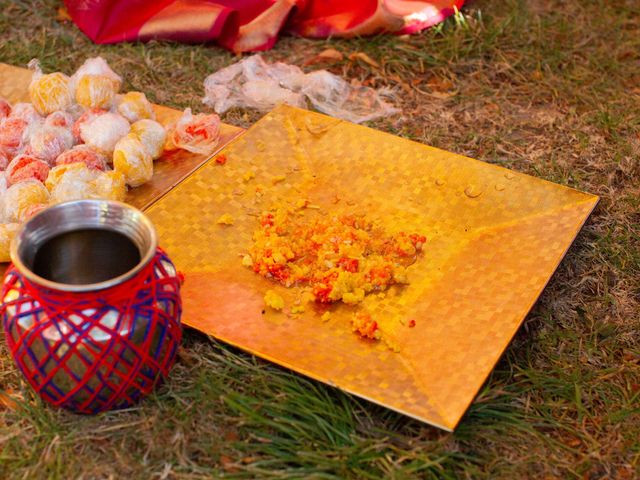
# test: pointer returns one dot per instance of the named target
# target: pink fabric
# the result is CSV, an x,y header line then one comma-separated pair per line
x,y
250,25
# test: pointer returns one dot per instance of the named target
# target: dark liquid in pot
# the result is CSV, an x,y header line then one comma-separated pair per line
x,y
85,256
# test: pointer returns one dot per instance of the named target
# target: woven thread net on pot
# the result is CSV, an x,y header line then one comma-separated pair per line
x,y
95,351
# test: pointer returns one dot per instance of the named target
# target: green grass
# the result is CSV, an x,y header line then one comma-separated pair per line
x,y
547,87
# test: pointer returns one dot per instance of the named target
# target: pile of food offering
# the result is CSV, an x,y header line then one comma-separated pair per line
x,y
336,258
80,138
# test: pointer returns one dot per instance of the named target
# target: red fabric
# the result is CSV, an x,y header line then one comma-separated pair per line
x,y
249,25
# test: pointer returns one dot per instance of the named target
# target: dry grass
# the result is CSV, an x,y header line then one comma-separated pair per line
x,y
547,87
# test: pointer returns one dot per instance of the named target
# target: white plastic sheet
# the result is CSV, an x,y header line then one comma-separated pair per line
x,y
254,83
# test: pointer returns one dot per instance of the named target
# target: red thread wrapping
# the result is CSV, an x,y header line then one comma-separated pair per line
x,y
95,351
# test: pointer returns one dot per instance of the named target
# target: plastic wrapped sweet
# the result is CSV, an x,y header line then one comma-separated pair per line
x,y
96,91
152,135
47,143
84,154
7,233
32,210
24,167
95,66
134,106
26,112
11,134
49,92
21,196
110,185
104,131
4,159
86,117
59,119
71,182
131,158
5,109
196,133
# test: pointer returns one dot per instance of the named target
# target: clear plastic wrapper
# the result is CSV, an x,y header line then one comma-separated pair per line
x,y
11,134
131,158
152,135
96,91
5,109
47,143
26,112
25,167
196,133
71,182
7,233
21,196
4,160
95,66
104,131
84,154
59,119
32,210
134,106
48,92
254,83
110,185
85,117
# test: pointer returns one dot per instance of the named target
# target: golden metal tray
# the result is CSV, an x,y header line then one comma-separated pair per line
x,y
495,237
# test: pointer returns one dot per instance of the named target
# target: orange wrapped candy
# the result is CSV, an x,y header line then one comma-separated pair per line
x,y
48,143
7,232
21,196
11,133
5,109
25,167
59,119
152,135
84,154
50,92
71,182
86,117
110,185
134,106
4,159
197,133
103,132
96,91
131,158
26,112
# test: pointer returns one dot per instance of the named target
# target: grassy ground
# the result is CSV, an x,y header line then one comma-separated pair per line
x,y
547,87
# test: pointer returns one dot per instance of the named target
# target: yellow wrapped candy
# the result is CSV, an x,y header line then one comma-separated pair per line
x,y
7,232
110,185
134,106
50,92
152,135
131,158
20,196
71,182
96,91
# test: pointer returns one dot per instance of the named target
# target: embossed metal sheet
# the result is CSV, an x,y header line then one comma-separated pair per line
x,y
169,170
495,238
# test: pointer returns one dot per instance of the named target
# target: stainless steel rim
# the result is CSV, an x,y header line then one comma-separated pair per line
x,y
82,214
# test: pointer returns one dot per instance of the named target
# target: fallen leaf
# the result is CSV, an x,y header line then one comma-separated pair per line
x,y
228,464
330,55
6,400
63,15
365,58
440,84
